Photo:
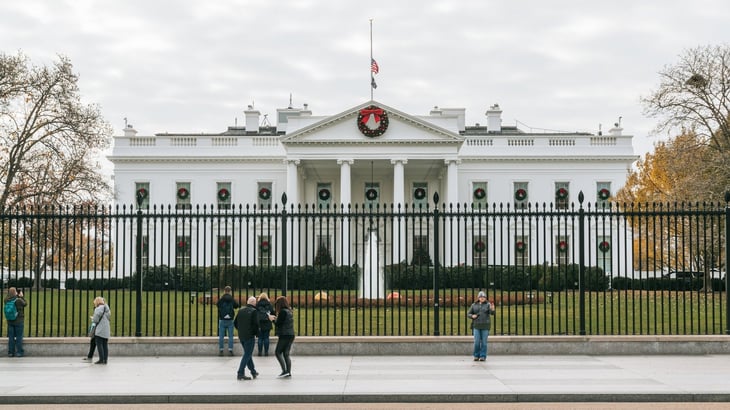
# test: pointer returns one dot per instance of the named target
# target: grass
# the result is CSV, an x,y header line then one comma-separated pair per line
x,y
55,313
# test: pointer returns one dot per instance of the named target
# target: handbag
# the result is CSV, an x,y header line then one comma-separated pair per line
x,y
92,329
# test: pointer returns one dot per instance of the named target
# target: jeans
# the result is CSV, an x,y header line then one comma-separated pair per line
x,y
102,346
15,339
480,342
247,359
263,342
92,347
225,325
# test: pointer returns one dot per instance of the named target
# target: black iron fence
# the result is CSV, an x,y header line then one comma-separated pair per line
x,y
649,269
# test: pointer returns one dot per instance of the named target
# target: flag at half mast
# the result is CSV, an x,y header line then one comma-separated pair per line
x,y
374,66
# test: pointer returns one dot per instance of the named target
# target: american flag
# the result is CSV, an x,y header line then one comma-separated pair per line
x,y
374,66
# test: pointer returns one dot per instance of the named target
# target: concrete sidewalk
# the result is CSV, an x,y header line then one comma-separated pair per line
x,y
374,379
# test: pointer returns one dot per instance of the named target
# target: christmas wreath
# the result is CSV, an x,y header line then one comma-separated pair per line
x,y
520,194
182,246
603,194
371,194
183,193
480,193
380,117
265,246
604,246
142,193
264,193
419,193
223,194
223,245
561,193
324,194
479,247
520,246
562,246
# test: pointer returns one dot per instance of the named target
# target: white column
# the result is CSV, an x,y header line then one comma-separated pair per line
x,y
451,200
399,199
292,195
345,201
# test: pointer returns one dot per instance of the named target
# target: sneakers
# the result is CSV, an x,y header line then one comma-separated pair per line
x,y
230,353
88,359
243,377
283,375
481,359
254,374
220,353
476,359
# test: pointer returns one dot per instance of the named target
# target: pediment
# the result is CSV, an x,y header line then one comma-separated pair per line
x,y
343,128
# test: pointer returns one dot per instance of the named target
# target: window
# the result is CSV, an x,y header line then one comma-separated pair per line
x,y
224,250
419,193
603,192
562,250
479,195
142,191
182,251
604,254
182,195
324,195
372,194
223,195
323,255
421,255
562,195
522,251
479,250
521,195
265,250
264,195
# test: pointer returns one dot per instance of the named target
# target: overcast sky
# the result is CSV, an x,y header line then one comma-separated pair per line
x,y
193,66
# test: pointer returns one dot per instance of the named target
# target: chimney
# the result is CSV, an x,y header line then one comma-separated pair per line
x,y
252,120
129,131
616,130
494,119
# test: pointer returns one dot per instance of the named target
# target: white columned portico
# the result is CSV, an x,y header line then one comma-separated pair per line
x,y
399,200
345,201
452,199
292,187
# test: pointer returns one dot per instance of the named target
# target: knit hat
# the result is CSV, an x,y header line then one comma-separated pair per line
x,y
482,295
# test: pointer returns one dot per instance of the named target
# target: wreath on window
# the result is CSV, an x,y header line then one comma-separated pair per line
x,y
142,193
603,194
520,194
371,194
378,115
419,193
182,246
223,194
223,245
264,193
480,193
604,246
562,246
479,247
265,247
520,246
561,193
183,193
324,194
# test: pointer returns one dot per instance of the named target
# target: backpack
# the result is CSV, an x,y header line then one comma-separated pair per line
x,y
263,316
11,311
225,310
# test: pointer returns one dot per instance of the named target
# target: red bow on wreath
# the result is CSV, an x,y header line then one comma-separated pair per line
x,y
366,113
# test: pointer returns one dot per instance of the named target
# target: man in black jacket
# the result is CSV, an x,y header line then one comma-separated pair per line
x,y
247,324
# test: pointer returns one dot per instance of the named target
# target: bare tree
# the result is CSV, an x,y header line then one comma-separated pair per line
x,y
49,139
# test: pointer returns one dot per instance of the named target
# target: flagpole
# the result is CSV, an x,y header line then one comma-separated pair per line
x,y
372,79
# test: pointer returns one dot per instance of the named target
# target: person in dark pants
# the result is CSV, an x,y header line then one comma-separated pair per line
x,y
284,322
103,329
15,326
247,323
480,313
92,348
263,305
226,305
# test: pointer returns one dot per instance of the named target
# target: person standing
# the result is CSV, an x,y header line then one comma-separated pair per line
x,y
226,306
480,313
247,323
103,328
263,305
284,322
15,325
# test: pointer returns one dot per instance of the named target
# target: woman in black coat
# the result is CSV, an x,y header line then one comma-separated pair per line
x,y
265,311
284,322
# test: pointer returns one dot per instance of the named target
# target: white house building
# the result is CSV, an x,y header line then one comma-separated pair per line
x,y
370,154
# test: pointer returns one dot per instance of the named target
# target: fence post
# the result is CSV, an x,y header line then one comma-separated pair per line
x,y
727,254
581,265
138,266
436,265
284,224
